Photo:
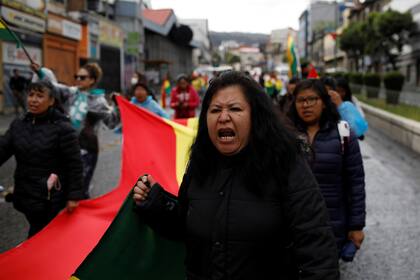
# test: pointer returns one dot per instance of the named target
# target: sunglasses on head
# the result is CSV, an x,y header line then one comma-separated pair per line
x,y
80,77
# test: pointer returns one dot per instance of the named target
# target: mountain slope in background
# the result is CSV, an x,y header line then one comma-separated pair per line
x,y
240,37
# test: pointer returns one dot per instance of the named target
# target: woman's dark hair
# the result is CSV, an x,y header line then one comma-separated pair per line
x,y
329,82
42,86
143,85
329,113
294,80
271,149
141,77
181,77
94,70
342,83
47,86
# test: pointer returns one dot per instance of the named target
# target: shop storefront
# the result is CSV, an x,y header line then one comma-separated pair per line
x,y
111,38
61,47
29,28
89,44
131,57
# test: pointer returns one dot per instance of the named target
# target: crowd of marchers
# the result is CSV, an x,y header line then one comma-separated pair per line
x,y
274,184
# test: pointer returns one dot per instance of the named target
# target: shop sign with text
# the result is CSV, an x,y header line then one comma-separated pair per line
x,y
33,7
13,55
23,20
111,35
66,28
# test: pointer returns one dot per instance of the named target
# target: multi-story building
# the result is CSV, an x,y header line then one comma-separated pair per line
x,y
319,26
334,58
29,23
168,49
50,36
103,39
362,8
201,39
321,20
250,56
277,46
303,37
64,34
129,14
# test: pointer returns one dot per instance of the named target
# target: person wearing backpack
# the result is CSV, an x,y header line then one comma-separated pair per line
x,y
337,162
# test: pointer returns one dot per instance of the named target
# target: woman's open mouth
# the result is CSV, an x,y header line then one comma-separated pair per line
x,y
226,134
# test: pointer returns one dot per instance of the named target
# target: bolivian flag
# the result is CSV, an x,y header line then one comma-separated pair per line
x,y
102,239
7,35
292,57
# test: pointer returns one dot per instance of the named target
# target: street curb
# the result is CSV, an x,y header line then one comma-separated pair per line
x,y
400,129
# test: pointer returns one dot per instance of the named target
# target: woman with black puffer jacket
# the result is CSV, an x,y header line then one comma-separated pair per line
x,y
48,175
337,162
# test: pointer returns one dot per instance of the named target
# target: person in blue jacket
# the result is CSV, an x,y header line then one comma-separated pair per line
x,y
348,110
337,166
142,97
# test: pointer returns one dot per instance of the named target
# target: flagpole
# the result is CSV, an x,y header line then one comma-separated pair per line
x,y
17,40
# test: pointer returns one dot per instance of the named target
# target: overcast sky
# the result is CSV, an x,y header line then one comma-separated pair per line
x,y
260,16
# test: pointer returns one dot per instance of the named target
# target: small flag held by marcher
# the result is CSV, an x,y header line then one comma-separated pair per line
x,y
292,57
8,35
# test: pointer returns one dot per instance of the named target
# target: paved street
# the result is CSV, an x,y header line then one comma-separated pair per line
x,y
392,246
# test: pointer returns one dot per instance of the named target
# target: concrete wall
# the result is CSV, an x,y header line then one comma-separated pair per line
x,y
402,130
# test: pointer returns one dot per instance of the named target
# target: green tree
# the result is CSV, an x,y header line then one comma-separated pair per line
x,y
352,41
231,58
215,58
373,40
394,29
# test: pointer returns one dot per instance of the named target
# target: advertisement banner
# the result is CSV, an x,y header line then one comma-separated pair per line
x,y
133,42
66,28
110,34
23,20
13,55
32,7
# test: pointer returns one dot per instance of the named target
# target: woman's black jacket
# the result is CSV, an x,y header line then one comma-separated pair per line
x,y
43,145
338,169
231,232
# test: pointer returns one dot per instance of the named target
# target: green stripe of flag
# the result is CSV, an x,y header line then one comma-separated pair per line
x,y
294,64
292,58
131,250
8,35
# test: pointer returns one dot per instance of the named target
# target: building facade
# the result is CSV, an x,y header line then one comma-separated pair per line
x,y
409,60
168,49
63,35
129,15
201,40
